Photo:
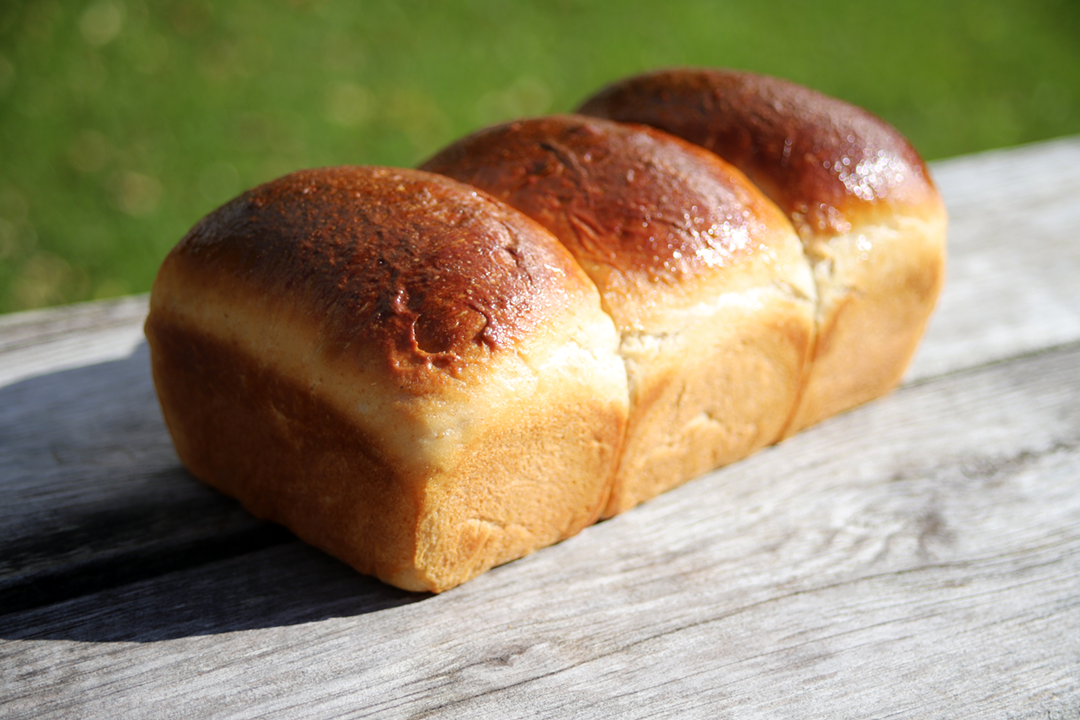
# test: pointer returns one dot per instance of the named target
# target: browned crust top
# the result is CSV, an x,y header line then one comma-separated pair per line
x,y
820,159
627,197
425,269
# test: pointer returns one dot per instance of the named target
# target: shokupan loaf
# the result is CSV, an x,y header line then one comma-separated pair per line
x,y
430,372
704,277
858,194
404,372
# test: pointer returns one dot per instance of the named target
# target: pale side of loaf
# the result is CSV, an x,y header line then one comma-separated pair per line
x,y
406,373
872,222
705,279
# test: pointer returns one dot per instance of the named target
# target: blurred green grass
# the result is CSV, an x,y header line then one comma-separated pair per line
x,y
124,121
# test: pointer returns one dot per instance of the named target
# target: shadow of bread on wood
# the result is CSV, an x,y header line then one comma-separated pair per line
x,y
431,372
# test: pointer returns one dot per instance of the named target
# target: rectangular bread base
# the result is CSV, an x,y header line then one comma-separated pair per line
x,y
713,393
877,287
290,457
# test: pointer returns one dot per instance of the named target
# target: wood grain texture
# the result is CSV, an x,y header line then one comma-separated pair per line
x,y
838,575
92,492
1014,257
43,341
917,557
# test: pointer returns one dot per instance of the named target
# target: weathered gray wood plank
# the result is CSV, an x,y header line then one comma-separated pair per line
x,y
1014,256
43,341
918,557
92,494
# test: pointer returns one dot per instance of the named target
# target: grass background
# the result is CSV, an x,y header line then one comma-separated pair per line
x,y
124,121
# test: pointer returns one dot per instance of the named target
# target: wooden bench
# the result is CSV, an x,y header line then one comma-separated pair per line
x,y
916,557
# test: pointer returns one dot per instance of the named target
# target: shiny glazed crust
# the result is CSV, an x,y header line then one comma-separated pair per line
x,y
860,197
704,277
348,350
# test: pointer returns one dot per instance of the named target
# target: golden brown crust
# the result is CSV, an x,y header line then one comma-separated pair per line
x,y
456,278
826,163
629,198
652,219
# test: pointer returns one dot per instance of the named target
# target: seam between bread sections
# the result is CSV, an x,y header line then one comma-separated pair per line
x,y
811,349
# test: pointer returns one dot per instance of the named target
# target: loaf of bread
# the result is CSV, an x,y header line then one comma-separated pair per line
x,y
872,222
430,372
